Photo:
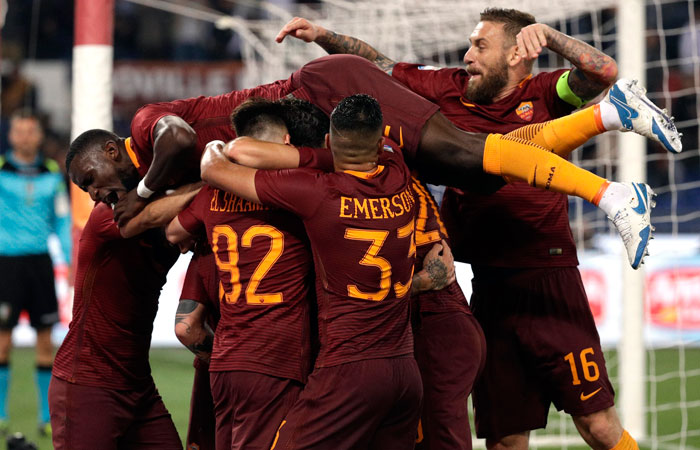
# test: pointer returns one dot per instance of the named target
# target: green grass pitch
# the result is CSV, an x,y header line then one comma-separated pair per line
x,y
172,370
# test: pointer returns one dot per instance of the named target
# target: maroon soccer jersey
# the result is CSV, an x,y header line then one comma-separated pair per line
x,y
519,226
208,116
202,285
117,286
430,231
201,280
264,267
327,80
361,230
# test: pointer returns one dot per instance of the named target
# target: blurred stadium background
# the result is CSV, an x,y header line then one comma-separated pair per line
x,y
649,321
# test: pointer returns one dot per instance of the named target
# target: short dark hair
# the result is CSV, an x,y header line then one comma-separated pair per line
x,y
307,123
358,113
90,140
513,20
255,115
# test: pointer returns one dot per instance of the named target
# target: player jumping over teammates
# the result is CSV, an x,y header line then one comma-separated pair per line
x,y
170,136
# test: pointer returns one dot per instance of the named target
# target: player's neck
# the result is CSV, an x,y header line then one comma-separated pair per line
x,y
513,83
366,166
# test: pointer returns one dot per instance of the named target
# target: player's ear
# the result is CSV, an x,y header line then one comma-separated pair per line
x,y
328,140
111,149
513,57
287,139
380,145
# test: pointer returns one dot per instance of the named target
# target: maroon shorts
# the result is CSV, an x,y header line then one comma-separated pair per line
x,y
543,347
87,417
451,351
201,428
370,404
327,80
249,408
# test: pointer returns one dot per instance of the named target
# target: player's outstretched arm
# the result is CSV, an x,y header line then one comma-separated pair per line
x,y
438,270
251,152
192,330
594,70
218,171
160,212
174,143
333,43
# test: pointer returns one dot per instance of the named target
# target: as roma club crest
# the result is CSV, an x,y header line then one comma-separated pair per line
x,y
525,111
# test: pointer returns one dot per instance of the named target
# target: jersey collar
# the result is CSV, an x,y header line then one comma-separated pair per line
x,y
365,175
130,151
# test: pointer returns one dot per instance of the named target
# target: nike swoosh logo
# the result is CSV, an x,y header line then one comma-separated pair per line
x,y
641,208
631,113
586,397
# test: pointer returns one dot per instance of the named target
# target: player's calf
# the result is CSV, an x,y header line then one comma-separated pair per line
x,y
603,430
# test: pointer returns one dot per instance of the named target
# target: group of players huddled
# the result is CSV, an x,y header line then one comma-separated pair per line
x,y
321,300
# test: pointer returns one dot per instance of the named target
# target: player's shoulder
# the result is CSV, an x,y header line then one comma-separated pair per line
x,y
543,79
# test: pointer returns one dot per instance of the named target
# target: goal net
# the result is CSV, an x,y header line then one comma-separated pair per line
x,y
436,32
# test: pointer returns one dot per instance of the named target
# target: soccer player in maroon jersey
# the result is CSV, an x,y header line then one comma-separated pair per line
x,y
504,235
365,389
102,394
197,315
261,354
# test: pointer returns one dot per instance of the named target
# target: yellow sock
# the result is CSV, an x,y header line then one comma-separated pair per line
x,y
626,442
514,158
565,134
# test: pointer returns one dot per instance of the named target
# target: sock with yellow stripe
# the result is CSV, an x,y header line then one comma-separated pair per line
x,y
626,442
565,134
514,158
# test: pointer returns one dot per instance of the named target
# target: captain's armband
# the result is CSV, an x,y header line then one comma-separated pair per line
x,y
565,93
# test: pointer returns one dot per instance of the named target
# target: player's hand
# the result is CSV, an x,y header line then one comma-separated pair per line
x,y
128,207
299,28
213,153
440,265
531,40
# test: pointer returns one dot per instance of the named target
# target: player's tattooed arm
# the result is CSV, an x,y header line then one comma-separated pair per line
x,y
593,71
334,43
192,330
438,270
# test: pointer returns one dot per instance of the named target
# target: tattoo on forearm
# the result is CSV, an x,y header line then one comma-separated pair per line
x,y
334,43
186,306
437,271
594,69
184,309
203,349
